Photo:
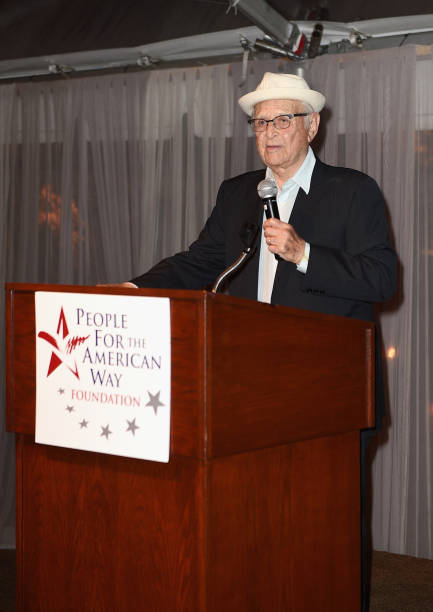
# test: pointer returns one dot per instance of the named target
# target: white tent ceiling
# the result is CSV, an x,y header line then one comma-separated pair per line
x,y
117,35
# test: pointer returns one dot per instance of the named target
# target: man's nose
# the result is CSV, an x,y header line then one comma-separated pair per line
x,y
271,130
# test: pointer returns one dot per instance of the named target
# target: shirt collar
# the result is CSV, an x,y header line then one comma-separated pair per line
x,y
302,177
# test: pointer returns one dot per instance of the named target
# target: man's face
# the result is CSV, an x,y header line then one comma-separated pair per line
x,y
284,150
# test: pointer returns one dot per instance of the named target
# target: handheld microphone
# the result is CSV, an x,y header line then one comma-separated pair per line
x,y
248,235
267,190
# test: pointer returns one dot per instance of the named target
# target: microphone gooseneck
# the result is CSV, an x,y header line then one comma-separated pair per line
x,y
248,235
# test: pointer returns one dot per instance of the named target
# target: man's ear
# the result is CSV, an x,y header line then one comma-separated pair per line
x,y
313,126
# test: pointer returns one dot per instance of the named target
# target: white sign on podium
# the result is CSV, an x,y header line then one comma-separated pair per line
x,y
103,365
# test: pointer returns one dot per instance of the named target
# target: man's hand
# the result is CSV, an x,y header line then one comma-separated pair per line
x,y
127,285
282,239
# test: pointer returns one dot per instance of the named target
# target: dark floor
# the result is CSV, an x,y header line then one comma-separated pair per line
x,y
7,580
399,583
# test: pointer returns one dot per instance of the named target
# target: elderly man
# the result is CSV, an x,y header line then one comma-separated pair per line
x,y
332,239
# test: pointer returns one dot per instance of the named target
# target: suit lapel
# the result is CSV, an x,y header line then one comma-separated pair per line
x,y
303,211
303,208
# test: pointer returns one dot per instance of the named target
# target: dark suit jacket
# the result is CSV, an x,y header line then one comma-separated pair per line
x,y
352,263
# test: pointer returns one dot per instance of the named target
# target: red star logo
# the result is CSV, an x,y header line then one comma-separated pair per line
x,y
62,346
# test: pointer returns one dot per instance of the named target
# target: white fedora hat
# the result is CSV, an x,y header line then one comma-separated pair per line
x,y
282,87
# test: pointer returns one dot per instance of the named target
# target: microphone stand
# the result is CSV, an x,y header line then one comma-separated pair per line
x,y
248,236
235,265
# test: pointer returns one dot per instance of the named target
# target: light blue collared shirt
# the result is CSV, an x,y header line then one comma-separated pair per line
x,y
286,197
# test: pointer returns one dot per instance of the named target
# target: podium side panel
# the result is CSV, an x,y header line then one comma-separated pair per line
x,y
279,375
284,528
325,569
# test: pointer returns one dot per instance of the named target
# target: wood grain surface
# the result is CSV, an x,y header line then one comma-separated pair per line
x,y
258,507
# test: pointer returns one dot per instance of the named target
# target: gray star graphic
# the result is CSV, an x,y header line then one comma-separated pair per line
x,y
132,426
154,401
83,424
106,431
60,391
70,409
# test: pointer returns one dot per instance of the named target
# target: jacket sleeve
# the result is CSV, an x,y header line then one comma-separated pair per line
x,y
365,268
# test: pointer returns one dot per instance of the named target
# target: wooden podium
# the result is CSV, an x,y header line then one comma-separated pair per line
x,y
258,508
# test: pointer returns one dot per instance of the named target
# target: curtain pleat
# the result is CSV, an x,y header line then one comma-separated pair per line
x,y
7,442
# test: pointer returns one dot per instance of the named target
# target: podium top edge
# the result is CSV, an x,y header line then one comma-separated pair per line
x,y
103,289
192,295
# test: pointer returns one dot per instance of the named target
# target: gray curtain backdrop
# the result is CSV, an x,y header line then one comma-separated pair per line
x,y
102,176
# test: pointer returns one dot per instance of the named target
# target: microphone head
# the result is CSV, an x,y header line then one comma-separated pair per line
x,y
267,189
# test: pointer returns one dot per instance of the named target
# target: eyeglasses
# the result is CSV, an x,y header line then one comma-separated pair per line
x,y
282,122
